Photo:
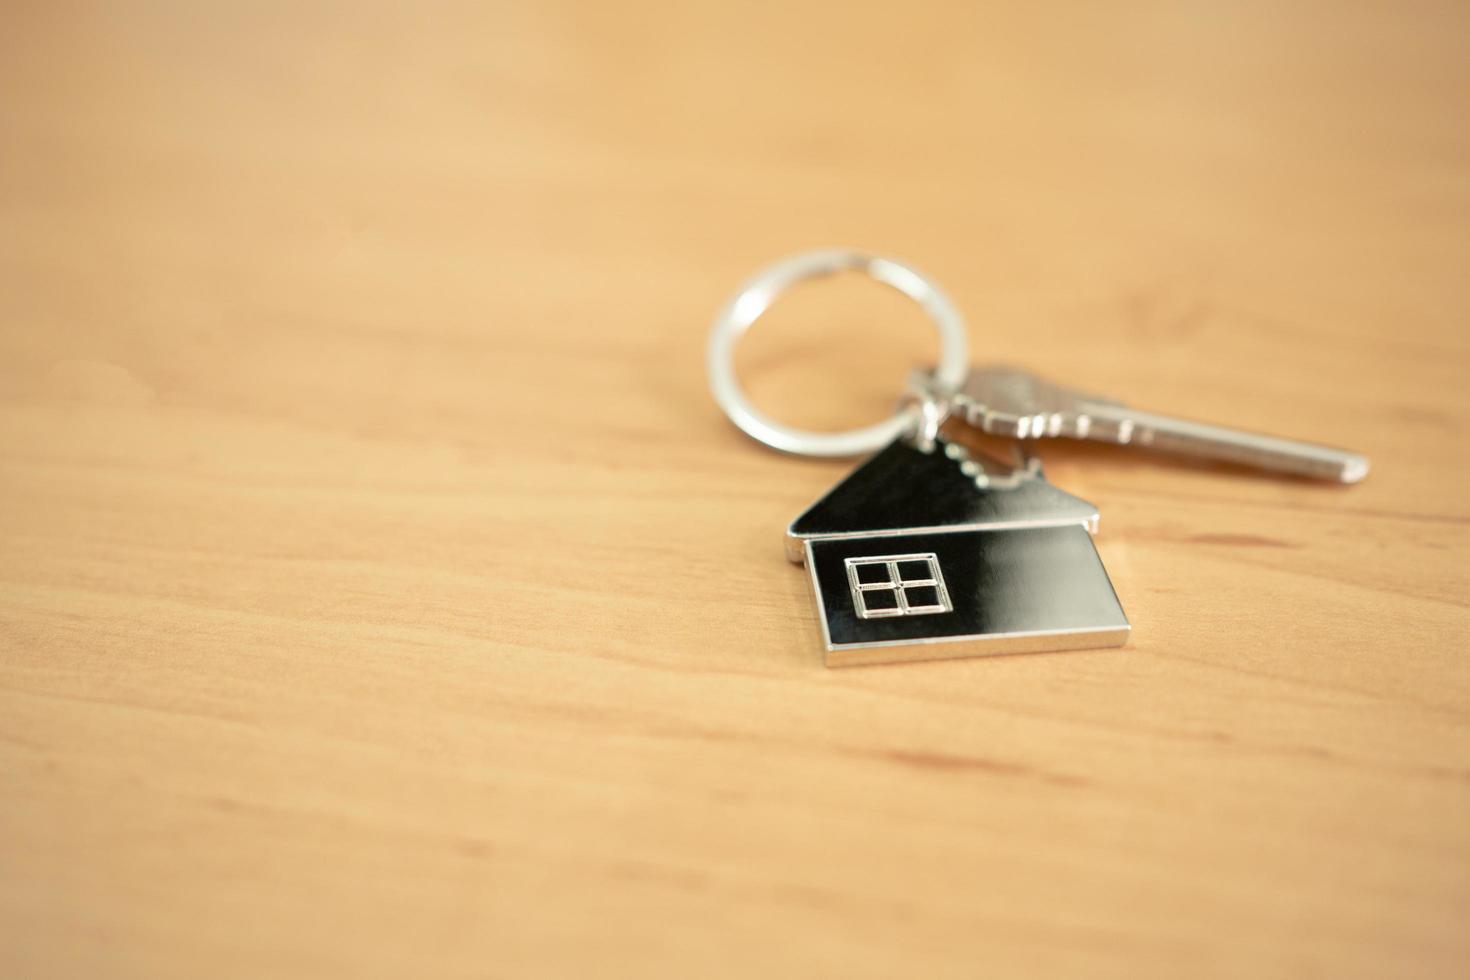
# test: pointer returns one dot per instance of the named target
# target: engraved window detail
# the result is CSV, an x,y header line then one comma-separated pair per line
x,y
897,585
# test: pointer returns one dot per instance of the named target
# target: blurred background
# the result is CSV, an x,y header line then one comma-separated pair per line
x,y
507,174
353,417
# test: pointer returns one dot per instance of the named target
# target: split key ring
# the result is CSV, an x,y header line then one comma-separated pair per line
x,y
756,296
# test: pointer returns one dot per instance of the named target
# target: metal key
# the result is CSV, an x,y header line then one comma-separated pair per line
x,y
1010,402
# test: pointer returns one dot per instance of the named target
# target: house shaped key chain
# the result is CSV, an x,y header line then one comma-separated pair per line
x,y
926,553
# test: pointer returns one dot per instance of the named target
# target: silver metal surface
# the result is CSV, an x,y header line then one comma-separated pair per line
x,y
1014,590
756,296
1010,402
921,555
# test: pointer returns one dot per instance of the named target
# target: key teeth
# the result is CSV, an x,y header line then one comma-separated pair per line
x,y
1006,426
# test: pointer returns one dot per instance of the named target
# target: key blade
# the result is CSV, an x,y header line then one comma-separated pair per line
x,y
1204,441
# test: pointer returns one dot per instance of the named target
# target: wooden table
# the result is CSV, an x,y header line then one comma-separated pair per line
x,y
381,593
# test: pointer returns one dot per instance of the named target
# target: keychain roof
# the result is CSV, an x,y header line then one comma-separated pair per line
x,y
946,487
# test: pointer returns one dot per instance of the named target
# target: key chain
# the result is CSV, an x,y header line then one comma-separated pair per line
x,y
930,551
925,551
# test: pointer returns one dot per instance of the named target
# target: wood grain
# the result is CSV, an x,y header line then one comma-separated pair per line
x,y
381,594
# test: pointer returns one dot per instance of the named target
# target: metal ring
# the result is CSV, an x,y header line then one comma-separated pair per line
x,y
756,296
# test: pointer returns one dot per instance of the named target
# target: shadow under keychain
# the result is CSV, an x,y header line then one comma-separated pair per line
x,y
928,550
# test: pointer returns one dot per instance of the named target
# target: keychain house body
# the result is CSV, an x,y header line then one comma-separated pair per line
x,y
932,553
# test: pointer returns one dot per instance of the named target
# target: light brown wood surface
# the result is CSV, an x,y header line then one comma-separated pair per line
x,y
382,595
